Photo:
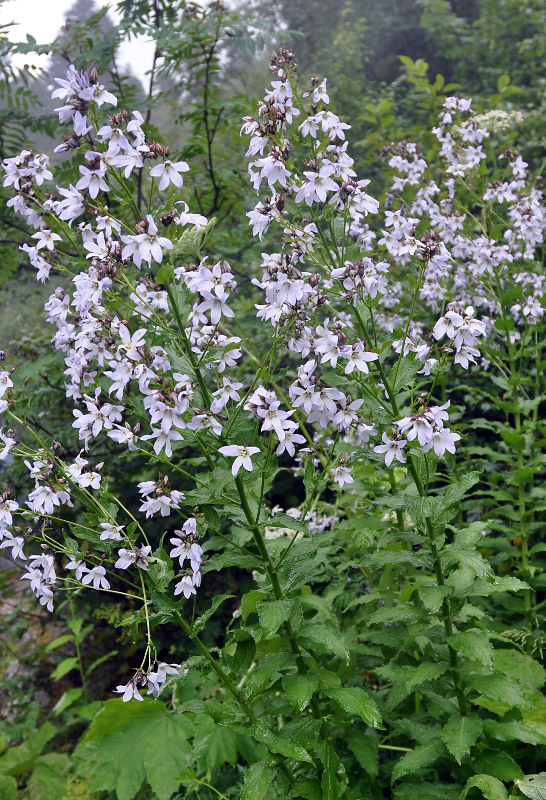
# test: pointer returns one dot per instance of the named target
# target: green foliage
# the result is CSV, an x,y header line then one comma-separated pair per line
x,y
125,745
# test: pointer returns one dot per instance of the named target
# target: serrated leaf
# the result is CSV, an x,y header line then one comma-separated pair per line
x,y
306,788
273,613
533,786
473,644
490,787
460,734
214,744
125,745
202,620
425,672
284,746
327,637
420,757
299,689
500,763
329,782
365,752
498,687
521,667
258,779
356,701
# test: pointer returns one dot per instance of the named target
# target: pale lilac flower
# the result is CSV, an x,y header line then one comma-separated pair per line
x,y
392,448
129,692
96,575
241,454
169,172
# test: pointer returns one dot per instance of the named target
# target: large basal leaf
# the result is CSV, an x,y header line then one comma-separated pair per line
x,y
126,745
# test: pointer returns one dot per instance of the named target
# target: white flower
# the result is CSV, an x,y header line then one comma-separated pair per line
x,y
442,439
129,692
110,531
341,475
392,448
185,587
79,566
16,543
241,454
93,181
97,576
169,173
316,186
46,238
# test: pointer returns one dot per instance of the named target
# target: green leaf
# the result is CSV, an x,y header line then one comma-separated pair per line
x,y
64,667
249,602
258,779
329,782
164,274
125,746
460,734
307,788
357,702
201,621
214,744
272,614
521,667
500,763
67,699
299,689
266,669
497,687
514,440
425,672
456,491
533,786
48,779
490,787
327,637
284,746
420,757
160,569
365,751
473,644
60,640
8,787
20,759
404,371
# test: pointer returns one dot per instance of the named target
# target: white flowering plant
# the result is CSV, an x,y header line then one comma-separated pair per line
x,y
377,645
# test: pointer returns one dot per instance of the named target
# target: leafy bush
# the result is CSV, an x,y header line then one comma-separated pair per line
x,y
362,456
